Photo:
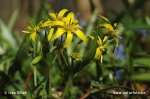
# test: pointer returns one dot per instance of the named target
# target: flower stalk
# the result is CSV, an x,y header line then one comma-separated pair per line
x,y
67,87
35,77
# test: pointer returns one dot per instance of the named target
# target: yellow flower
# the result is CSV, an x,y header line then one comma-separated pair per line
x,y
108,24
59,16
76,56
32,31
101,49
113,29
55,19
67,27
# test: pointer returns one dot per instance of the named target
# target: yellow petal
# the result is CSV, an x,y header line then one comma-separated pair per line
x,y
40,23
62,12
81,35
46,23
55,23
75,21
68,39
25,31
70,16
100,43
29,27
76,26
78,58
104,39
108,26
50,33
98,53
59,32
53,16
115,25
33,36
101,58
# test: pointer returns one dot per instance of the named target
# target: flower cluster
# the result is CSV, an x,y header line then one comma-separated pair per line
x,y
101,49
64,25
32,31
113,31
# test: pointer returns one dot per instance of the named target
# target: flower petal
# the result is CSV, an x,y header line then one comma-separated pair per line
x,y
101,58
33,36
115,25
70,16
98,53
104,39
55,23
29,28
100,43
76,26
50,33
108,26
68,39
62,12
59,32
81,35
46,23
25,31
53,16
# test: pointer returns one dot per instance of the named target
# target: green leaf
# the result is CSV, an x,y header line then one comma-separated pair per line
x,y
88,56
144,62
19,57
7,35
144,77
137,26
91,23
36,60
13,19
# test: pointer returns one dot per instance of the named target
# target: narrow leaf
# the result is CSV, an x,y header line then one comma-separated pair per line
x,y
144,62
144,77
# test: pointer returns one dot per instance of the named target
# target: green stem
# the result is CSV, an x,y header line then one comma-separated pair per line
x,y
99,69
67,87
34,68
64,58
50,76
35,78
